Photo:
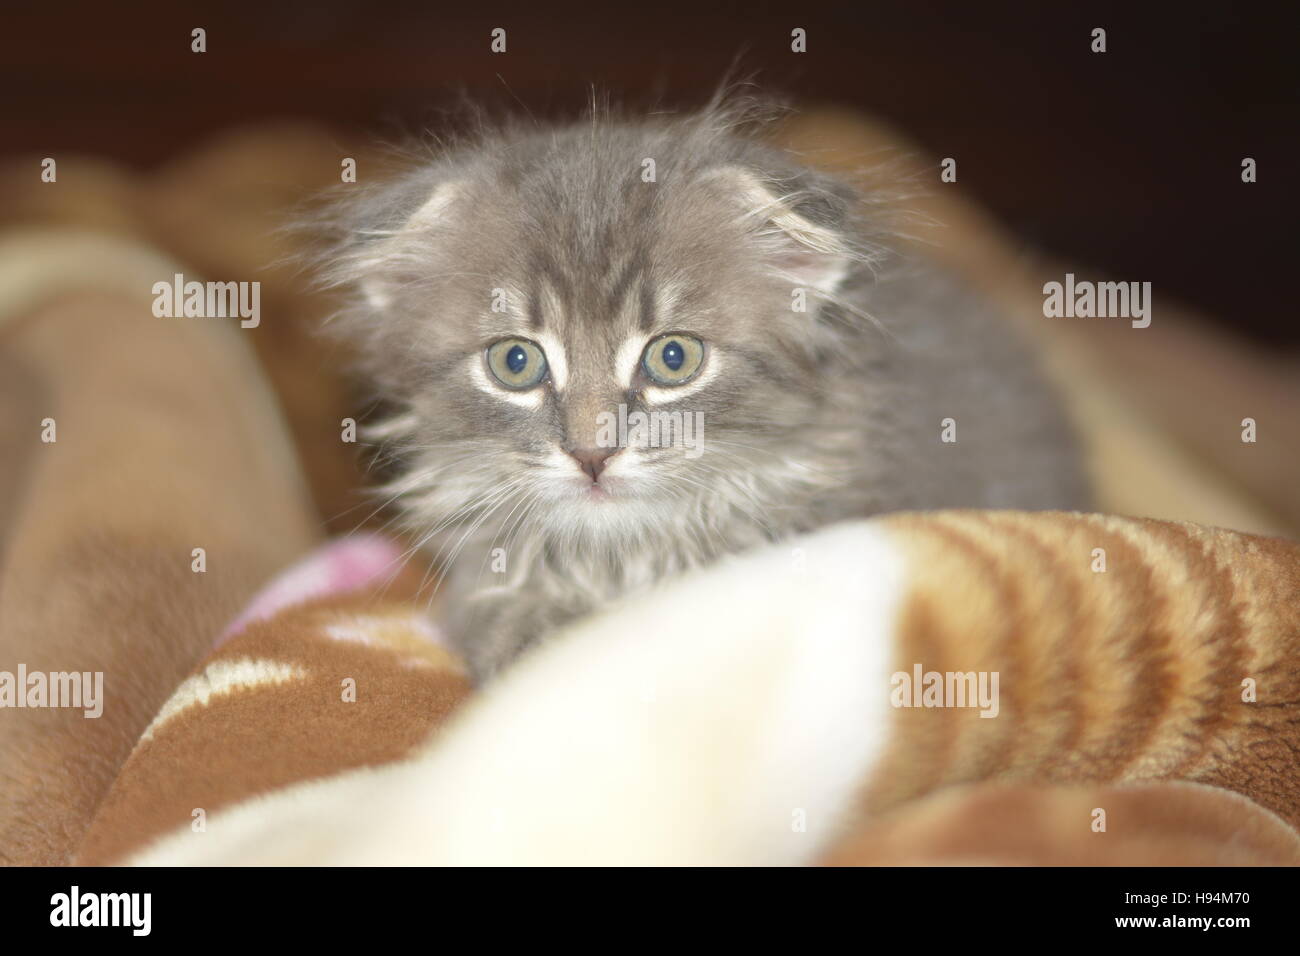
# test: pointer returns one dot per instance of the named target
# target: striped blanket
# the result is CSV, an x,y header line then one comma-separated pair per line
x,y
769,718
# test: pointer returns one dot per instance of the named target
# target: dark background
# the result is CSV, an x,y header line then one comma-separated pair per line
x,y
1127,162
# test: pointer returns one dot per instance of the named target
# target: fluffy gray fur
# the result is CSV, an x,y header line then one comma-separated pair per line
x,y
810,417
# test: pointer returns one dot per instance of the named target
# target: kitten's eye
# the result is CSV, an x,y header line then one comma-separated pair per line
x,y
673,359
517,363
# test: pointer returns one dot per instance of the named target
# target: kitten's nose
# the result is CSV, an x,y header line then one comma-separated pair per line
x,y
592,460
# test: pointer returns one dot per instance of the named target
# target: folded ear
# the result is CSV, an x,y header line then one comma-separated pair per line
x,y
802,220
398,226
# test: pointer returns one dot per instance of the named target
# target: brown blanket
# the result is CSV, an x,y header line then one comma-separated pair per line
x,y
1142,714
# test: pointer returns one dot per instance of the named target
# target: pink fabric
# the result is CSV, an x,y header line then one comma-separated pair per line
x,y
340,566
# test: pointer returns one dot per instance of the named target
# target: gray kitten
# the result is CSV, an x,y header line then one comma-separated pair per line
x,y
522,296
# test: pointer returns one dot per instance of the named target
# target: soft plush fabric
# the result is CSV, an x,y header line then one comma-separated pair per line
x,y
280,707
747,715
166,440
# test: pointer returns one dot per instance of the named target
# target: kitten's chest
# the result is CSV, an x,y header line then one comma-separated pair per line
x,y
570,574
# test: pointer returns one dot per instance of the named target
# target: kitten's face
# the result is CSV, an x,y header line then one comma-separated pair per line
x,y
532,308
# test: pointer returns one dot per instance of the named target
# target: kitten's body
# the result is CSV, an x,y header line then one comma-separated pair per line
x,y
810,416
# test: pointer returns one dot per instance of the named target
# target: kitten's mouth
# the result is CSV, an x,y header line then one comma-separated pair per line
x,y
606,491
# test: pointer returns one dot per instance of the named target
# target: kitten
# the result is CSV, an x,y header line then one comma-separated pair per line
x,y
518,293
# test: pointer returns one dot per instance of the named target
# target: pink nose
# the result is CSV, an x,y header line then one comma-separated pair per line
x,y
592,460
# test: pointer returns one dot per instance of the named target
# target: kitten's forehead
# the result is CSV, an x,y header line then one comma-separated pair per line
x,y
640,258
602,323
